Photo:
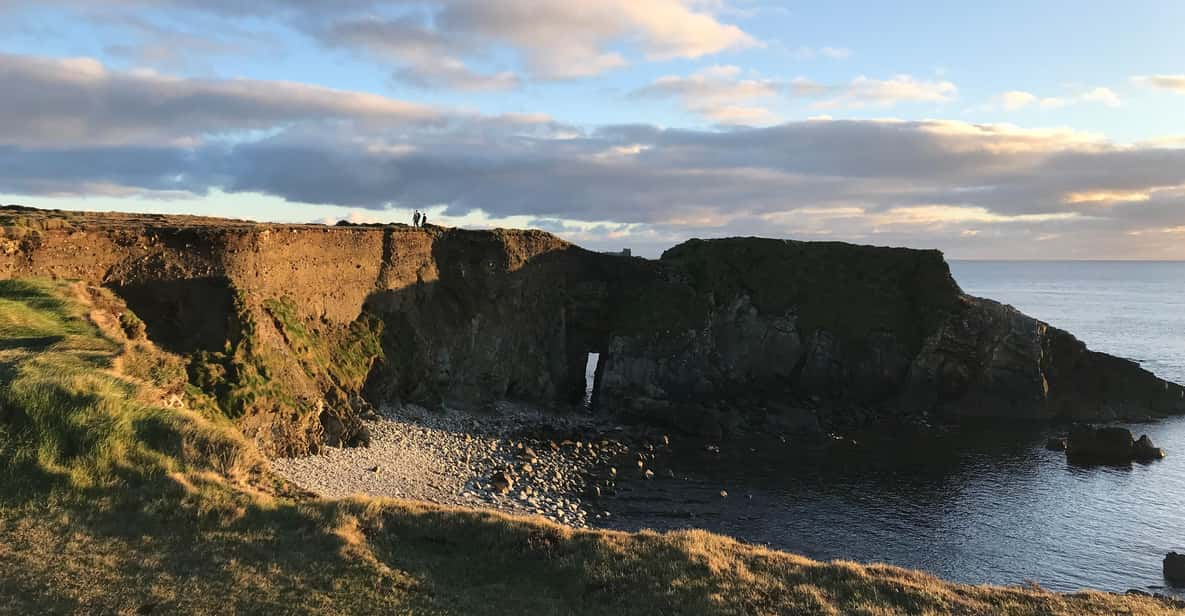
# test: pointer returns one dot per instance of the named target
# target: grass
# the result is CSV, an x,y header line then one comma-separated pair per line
x,y
111,502
240,378
344,359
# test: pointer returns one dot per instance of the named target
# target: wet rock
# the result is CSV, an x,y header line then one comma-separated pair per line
x,y
1174,568
1145,450
1109,445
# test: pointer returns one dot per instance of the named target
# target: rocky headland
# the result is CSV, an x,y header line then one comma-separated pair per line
x,y
298,331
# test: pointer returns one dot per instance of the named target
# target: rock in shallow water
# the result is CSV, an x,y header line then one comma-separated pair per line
x,y
1109,445
1174,568
1145,450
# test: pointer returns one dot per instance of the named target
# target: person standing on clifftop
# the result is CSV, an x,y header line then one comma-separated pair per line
x,y
415,219
423,219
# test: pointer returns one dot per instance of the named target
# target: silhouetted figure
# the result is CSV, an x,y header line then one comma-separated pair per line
x,y
423,219
415,219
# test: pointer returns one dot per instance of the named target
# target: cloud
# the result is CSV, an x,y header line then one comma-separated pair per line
x,y
1016,100
449,43
810,53
718,93
863,92
79,101
1173,83
424,57
558,40
76,127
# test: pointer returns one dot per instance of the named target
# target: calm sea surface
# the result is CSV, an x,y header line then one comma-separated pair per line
x,y
975,504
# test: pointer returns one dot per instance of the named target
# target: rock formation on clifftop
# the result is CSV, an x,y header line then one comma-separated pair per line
x,y
293,328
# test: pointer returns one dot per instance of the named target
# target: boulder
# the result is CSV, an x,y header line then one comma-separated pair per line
x,y
1145,450
1174,568
1056,444
333,430
360,438
1109,445
501,482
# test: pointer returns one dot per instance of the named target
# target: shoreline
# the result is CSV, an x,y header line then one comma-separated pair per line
x,y
585,471
520,459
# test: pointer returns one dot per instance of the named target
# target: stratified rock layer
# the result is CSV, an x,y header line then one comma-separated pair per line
x,y
293,327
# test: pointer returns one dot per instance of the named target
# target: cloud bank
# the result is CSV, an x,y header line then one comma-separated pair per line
x,y
77,127
449,43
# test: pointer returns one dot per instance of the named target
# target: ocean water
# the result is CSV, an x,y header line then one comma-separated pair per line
x,y
977,504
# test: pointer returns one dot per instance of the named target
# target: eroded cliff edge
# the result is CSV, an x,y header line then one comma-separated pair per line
x,y
294,329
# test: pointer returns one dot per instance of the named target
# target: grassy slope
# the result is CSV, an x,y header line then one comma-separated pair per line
x,y
111,502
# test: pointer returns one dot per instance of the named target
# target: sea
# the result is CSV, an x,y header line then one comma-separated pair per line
x,y
976,503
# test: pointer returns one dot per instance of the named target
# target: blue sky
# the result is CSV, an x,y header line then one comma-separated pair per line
x,y
1001,130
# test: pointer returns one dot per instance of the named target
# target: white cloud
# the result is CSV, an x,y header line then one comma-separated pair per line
x,y
561,40
863,92
1174,83
79,102
718,93
448,43
423,56
1015,100
810,53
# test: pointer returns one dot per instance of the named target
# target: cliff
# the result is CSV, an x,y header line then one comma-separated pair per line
x,y
292,329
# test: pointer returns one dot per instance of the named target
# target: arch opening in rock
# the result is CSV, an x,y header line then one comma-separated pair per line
x,y
592,367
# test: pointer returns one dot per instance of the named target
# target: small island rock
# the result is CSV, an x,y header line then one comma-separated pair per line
x,y
1109,445
1174,568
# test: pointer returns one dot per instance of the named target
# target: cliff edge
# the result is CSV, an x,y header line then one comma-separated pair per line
x,y
294,330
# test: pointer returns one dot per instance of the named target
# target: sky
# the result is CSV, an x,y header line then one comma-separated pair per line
x,y
1003,130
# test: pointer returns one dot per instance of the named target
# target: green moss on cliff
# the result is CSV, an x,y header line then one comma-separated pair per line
x,y
242,377
340,357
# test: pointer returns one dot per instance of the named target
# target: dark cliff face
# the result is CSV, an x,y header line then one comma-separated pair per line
x,y
762,319
291,328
